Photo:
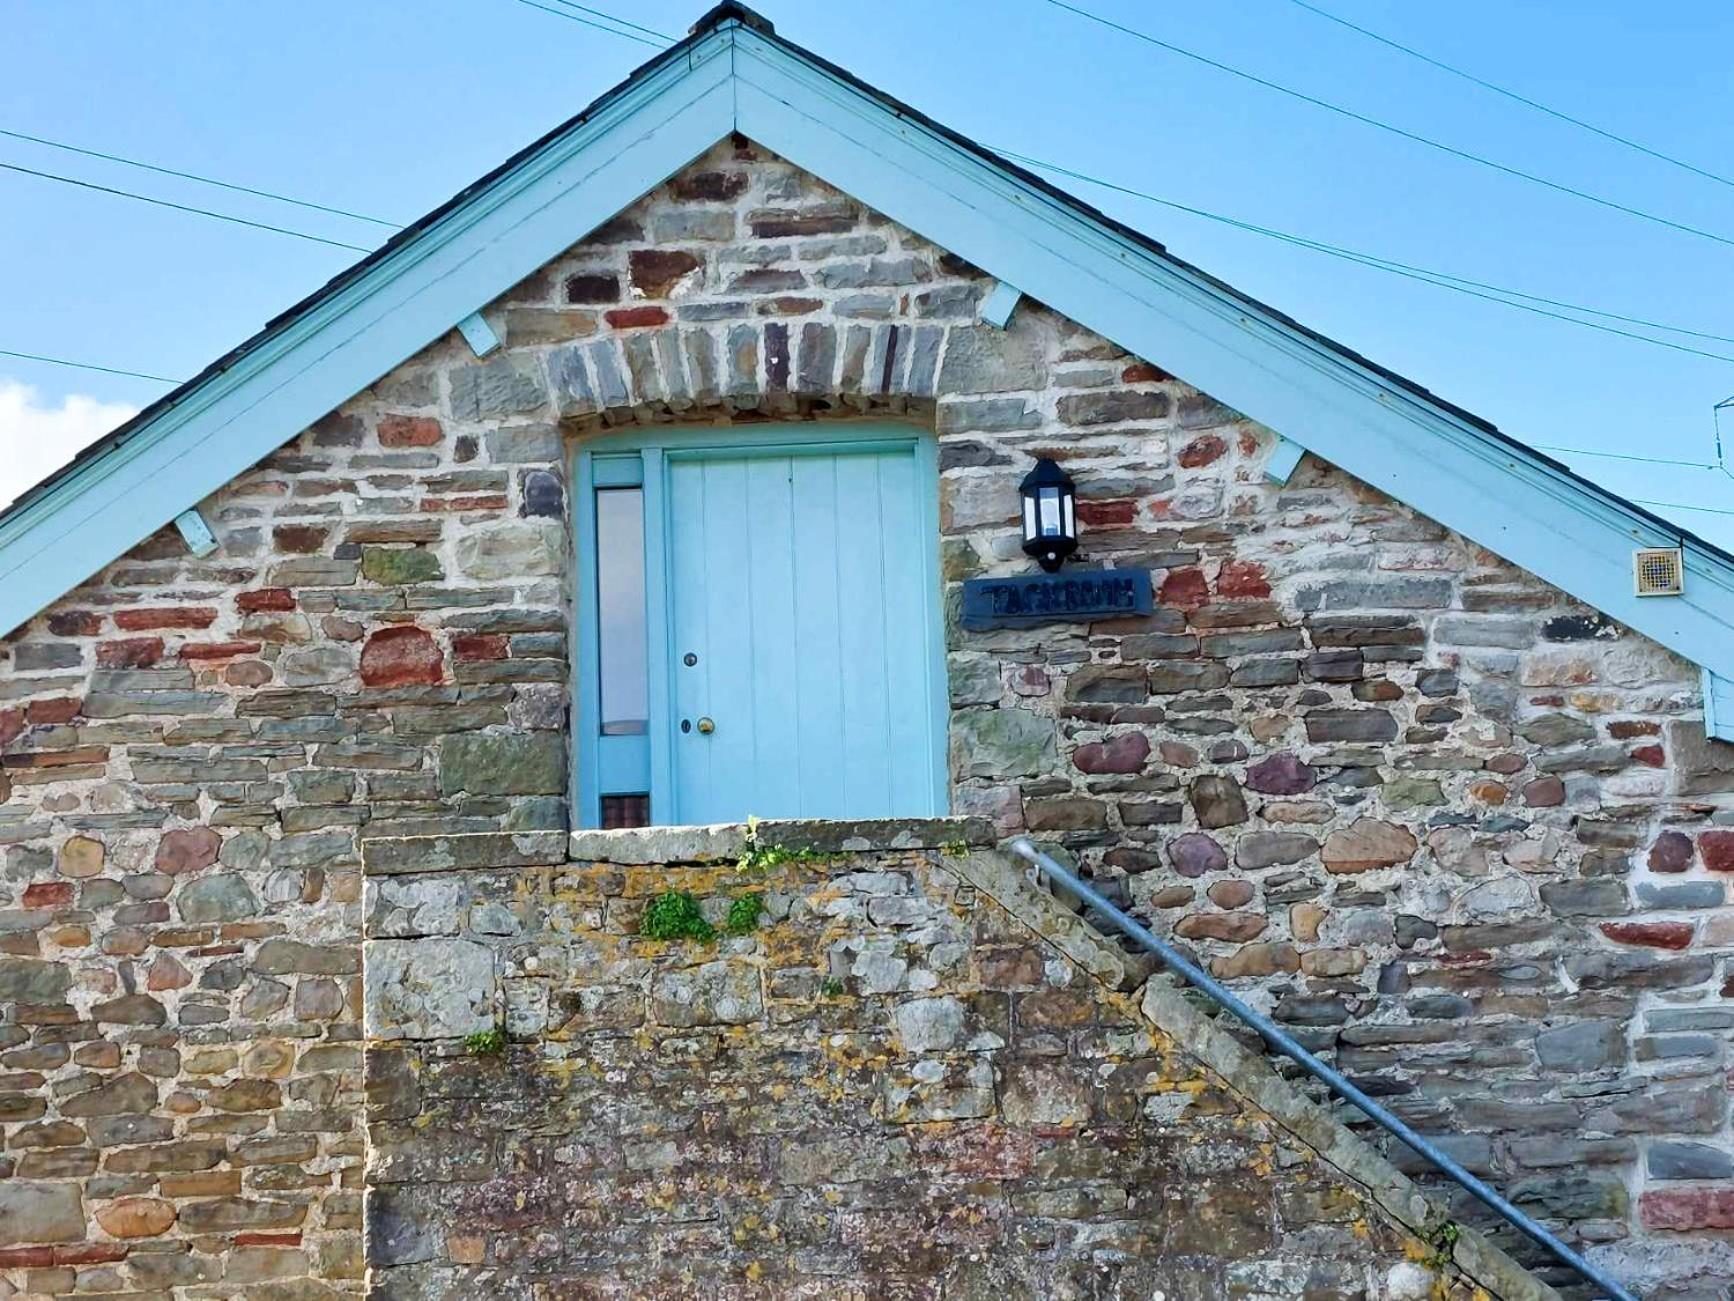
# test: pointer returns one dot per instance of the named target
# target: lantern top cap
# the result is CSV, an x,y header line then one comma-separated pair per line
x,y
1046,473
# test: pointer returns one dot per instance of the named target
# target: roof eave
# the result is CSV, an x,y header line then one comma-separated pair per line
x,y
364,322
1374,423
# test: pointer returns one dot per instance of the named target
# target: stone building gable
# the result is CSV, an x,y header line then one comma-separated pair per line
x,y
1461,833
891,1086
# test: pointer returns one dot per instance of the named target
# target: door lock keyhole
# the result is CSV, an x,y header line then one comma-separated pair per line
x,y
689,659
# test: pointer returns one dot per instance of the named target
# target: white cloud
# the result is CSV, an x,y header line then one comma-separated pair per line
x,y
36,439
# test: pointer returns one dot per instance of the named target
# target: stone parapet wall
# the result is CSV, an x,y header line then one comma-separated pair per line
x,y
891,1085
1460,833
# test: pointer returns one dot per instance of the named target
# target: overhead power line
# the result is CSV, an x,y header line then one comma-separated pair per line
x,y
1680,505
1443,280
1366,259
194,176
597,13
1625,456
572,17
1525,100
1300,241
1364,119
85,365
181,207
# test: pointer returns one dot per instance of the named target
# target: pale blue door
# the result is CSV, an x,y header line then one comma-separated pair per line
x,y
802,623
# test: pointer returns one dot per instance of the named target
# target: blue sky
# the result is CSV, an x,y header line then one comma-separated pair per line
x,y
387,107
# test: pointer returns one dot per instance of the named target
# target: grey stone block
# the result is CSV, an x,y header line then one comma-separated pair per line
x,y
1582,1046
433,988
503,763
981,359
1682,895
225,897
502,386
524,444
1002,743
1675,1160
1702,766
33,1211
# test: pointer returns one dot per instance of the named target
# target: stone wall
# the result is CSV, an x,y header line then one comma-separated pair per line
x,y
180,1071
1461,834
1458,831
890,1086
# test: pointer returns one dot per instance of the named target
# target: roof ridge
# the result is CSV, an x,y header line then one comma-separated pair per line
x,y
1315,392
732,11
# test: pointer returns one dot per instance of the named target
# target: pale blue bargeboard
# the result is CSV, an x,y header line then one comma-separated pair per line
x,y
731,78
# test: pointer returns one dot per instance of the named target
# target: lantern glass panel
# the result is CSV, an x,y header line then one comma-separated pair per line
x,y
1050,507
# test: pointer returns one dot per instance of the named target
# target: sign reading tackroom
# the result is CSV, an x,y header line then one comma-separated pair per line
x,y
1055,598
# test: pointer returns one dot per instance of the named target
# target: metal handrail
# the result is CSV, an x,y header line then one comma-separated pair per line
x,y
1286,1044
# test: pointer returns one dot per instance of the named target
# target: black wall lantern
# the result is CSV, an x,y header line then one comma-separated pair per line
x,y
1050,514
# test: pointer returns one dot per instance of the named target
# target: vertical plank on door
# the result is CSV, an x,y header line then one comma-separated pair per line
x,y
862,669
653,476
822,736
686,587
727,631
907,659
773,612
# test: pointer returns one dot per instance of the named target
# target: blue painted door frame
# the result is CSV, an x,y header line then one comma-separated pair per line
x,y
910,505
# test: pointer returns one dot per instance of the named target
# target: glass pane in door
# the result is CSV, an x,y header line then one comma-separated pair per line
x,y
623,646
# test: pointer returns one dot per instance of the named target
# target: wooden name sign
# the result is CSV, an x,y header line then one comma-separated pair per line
x,y
1055,598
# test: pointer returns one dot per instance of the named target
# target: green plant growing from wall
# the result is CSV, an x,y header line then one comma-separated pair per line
x,y
486,1043
1443,1240
757,856
675,915
744,913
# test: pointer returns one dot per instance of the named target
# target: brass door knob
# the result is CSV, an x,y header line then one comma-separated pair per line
x,y
706,726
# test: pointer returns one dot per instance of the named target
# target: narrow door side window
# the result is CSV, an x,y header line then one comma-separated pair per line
x,y
620,606
623,719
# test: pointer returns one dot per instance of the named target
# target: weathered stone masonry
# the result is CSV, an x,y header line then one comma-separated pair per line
x,y
891,1088
1463,833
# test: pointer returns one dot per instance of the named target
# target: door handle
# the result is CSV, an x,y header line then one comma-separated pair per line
x,y
706,726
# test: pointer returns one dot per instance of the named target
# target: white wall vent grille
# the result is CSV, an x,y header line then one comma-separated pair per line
x,y
1658,571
